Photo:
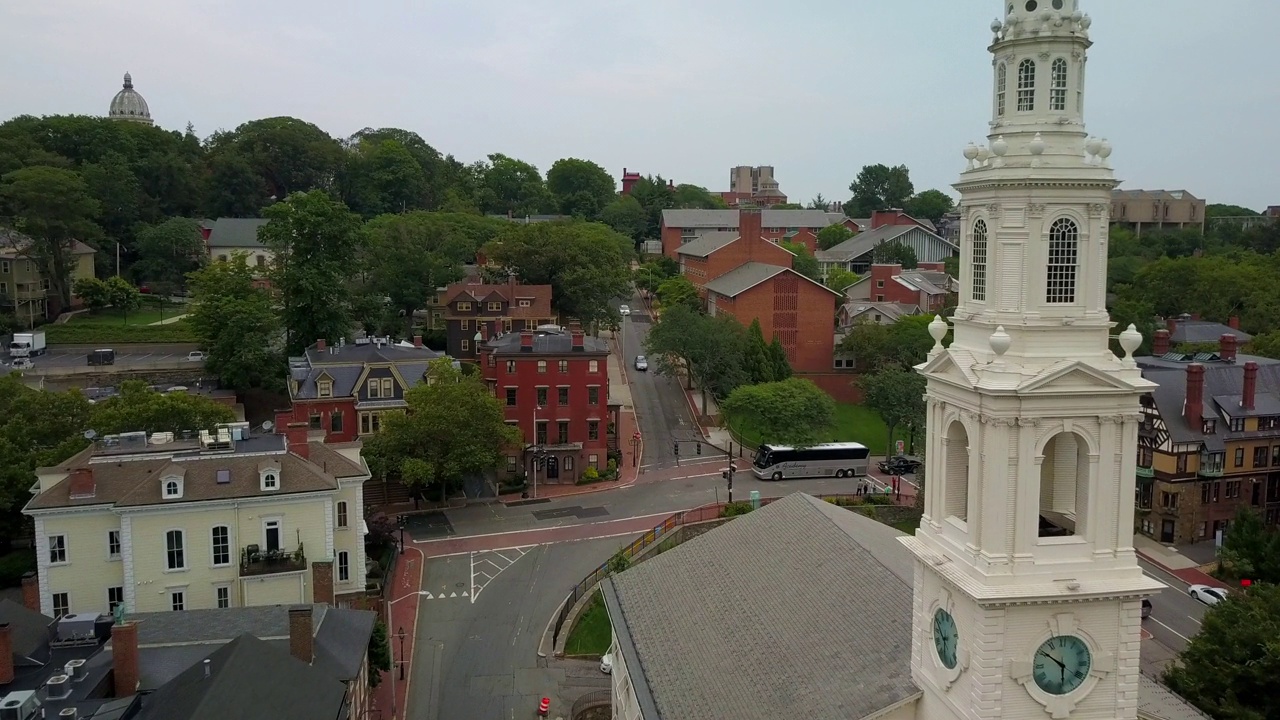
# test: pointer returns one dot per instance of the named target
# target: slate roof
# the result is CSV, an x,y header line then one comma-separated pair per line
x,y
546,342
729,218
538,295
708,243
1187,330
29,632
743,278
1222,388
15,244
863,243
344,365
731,624
137,482
931,282
891,311
1158,702
236,233
250,680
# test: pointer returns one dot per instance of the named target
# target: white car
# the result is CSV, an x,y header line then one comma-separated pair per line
x,y
1207,594
606,664
197,356
642,363
624,309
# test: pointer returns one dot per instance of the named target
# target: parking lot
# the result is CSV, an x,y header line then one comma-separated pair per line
x,y
69,361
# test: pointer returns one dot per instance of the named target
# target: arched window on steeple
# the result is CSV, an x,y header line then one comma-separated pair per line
x,y
1027,85
978,261
1064,253
1002,83
1058,93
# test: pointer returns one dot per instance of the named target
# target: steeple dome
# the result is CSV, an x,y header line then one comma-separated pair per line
x,y
129,105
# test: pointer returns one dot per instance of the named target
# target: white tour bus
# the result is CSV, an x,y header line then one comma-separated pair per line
x,y
776,462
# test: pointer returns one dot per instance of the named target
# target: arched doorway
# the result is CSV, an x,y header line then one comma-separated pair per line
x,y
553,467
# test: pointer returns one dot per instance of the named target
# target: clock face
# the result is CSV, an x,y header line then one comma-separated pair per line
x,y
946,638
1061,664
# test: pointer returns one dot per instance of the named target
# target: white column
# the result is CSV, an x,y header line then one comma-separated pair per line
x,y
126,557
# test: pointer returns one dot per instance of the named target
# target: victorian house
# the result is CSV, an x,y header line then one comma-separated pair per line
x,y
508,307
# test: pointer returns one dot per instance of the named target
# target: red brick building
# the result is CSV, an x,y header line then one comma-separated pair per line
x,y
345,389
509,307
681,227
718,253
775,295
925,288
555,386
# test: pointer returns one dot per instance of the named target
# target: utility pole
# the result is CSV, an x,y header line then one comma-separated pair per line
x,y
728,476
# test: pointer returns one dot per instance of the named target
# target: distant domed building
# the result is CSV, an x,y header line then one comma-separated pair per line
x,y
129,105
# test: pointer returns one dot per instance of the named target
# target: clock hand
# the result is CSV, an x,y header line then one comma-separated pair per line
x,y
1054,659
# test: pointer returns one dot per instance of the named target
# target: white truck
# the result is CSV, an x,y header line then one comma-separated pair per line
x,y
27,344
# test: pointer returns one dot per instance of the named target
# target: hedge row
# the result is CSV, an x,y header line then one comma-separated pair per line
x,y
177,332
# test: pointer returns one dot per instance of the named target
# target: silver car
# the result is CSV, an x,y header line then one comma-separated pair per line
x,y
642,363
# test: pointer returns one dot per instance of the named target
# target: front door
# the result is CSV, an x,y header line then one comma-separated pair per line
x,y
271,534
1166,531
553,467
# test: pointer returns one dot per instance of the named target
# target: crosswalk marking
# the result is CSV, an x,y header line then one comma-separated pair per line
x,y
487,565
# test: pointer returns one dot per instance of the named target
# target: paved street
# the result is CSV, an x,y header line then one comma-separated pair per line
x,y
660,405
1175,617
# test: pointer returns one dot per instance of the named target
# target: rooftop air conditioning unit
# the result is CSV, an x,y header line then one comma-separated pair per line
x,y
58,687
75,669
19,705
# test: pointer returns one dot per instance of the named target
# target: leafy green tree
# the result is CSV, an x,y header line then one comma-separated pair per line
x,y
654,195
236,324
905,344
791,412
897,394
454,428
93,292
587,265
929,205
438,179
804,262
787,206
124,296
233,187
832,235
679,291
1266,345
625,215
288,154
951,266
382,176
139,408
506,185
879,187
581,188
1213,210
778,358
696,197
53,207
1228,670
819,203
315,241
839,279
168,251
756,361
379,653
707,351
409,256
1140,315
895,253
1252,550
121,200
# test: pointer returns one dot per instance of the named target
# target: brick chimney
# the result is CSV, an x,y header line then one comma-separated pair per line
x,y
322,582
891,216
1249,391
301,641
578,343
124,658
31,591
749,228
1193,409
321,345
1171,324
1227,347
1233,322
1160,344
417,341
6,654
526,342
296,439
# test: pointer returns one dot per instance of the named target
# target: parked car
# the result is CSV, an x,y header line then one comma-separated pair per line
x,y
22,363
624,310
1146,608
606,664
899,465
197,356
1207,594
642,363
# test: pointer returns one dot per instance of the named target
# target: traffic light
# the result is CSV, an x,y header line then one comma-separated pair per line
x,y
699,448
676,446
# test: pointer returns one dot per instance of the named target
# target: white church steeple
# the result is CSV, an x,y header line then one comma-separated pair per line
x,y
1028,593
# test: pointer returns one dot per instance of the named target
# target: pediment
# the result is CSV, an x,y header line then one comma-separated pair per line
x,y
1073,376
952,367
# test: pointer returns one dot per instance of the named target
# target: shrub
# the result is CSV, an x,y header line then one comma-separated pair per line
x,y
874,499
735,509
619,562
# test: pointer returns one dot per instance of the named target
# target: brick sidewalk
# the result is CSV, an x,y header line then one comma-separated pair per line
x,y
404,614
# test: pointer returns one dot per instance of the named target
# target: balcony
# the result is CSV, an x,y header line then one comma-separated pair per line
x,y
1211,471
254,561
1145,472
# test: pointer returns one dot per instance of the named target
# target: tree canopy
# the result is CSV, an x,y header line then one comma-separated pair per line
x,y
832,235
790,412
879,187
237,325
897,394
581,188
929,205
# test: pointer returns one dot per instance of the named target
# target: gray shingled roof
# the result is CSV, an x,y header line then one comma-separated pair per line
x,y
344,364
1222,387
747,620
729,218
29,633
929,281
863,243
236,233
1157,702
743,278
548,343
708,243
1204,331
891,311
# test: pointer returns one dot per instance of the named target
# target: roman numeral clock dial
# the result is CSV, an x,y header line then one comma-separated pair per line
x,y
1061,664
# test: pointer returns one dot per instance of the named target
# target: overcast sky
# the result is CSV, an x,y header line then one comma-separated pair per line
x,y
1186,90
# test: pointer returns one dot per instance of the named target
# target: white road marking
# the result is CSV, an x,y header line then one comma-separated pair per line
x,y
532,529
477,585
1166,627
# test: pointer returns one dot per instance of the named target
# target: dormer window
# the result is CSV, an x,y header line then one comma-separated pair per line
x,y
171,487
525,303
464,307
1209,427
269,477
495,307
324,388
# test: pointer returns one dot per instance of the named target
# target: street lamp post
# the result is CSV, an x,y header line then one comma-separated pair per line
x,y
635,446
400,519
537,450
400,634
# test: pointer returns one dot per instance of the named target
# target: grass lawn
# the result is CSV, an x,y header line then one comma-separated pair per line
x,y
854,423
592,634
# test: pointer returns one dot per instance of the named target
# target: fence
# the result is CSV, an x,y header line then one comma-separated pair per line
x,y
595,698
659,532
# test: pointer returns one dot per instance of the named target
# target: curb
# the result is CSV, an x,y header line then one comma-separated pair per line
x,y
586,491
